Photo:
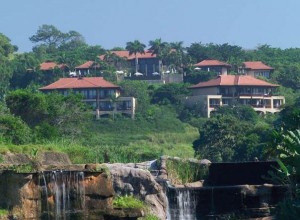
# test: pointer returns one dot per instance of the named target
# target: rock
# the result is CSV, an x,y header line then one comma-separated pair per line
x,y
194,184
15,159
54,159
140,183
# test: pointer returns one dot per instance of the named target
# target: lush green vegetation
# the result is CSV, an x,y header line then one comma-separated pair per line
x,y
50,122
182,171
128,202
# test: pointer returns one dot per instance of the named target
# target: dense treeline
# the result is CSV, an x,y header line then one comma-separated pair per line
x,y
163,124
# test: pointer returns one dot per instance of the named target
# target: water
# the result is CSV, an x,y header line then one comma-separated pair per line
x,y
182,203
63,194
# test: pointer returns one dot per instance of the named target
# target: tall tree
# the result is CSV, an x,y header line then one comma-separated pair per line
x,y
157,46
134,48
6,54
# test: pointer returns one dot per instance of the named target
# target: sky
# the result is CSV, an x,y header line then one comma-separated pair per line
x,y
112,23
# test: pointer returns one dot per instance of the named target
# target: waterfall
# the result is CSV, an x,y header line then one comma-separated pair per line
x,y
181,203
64,194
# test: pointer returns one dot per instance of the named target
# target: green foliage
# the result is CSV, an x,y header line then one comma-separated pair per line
x,y
128,202
139,90
170,93
241,112
288,210
289,117
50,113
23,168
3,213
185,171
14,130
149,217
195,77
232,134
31,107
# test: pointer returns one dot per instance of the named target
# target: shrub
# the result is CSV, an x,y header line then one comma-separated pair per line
x,y
128,202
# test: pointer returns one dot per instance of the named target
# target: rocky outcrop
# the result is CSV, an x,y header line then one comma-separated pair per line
x,y
129,180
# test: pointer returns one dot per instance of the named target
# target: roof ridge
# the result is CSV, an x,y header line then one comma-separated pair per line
x,y
86,79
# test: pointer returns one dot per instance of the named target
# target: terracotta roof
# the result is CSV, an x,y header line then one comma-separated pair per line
x,y
51,65
211,63
233,80
256,65
125,54
86,65
77,83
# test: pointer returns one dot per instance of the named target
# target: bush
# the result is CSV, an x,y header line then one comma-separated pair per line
x,y
14,130
127,202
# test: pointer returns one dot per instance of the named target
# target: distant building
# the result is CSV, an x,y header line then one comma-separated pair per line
x,y
102,95
255,69
50,66
85,68
230,89
213,65
148,63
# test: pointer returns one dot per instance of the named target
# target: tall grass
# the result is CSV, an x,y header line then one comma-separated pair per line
x,y
124,141
184,171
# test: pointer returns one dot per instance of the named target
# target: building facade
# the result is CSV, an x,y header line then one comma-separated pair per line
x,y
213,65
147,62
233,89
255,69
103,96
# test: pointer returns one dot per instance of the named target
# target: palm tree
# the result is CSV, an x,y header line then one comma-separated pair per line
x,y
134,48
159,48
177,51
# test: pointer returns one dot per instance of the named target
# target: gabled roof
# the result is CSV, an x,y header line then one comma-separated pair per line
x,y
256,65
233,80
87,65
125,54
80,82
206,63
48,65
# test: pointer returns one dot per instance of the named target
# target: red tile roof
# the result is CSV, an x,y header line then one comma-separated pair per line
x,y
233,80
125,54
51,65
205,63
86,65
78,83
256,65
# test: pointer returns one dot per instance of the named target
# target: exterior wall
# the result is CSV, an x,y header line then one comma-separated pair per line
x,y
123,105
221,70
146,66
105,101
205,91
209,102
256,73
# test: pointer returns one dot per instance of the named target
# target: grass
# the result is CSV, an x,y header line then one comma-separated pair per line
x,y
184,171
128,202
123,141
3,213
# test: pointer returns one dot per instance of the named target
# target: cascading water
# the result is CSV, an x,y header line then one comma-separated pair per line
x,y
63,193
181,204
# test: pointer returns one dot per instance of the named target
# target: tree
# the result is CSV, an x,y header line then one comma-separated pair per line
x,y
6,54
14,130
232,134
289,117
134,48
139,90
53,39
49,36
171,93
157,47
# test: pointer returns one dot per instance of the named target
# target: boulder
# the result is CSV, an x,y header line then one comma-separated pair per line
x,y
128,180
